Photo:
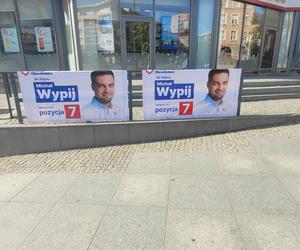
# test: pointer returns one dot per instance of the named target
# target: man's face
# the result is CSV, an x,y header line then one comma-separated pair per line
x,y
104,88
218,86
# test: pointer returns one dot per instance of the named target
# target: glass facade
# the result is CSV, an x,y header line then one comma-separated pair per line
x,y
295,61
230,34
252,37
11,58
204,33
137,7
141,34
38,34
249,37
272,18
138,45
99,33
270,38
172,36
285,40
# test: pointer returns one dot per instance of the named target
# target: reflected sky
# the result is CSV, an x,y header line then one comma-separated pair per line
x,y
81,3
205,17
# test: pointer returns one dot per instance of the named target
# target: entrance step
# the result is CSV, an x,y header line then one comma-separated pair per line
x,y
254,98
270,89
4,110
295,89
271,82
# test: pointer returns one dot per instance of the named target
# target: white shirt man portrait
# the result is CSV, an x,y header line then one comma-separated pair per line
x,y
214,104
101,106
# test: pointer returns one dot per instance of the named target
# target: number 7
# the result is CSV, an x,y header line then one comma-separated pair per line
x,y
186,107
73,110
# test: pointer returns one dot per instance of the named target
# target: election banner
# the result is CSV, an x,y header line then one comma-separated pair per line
x,y
65,96
180,94
44,39
10,40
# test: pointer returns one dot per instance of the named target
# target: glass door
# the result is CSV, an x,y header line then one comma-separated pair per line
x,y
137,45
268,48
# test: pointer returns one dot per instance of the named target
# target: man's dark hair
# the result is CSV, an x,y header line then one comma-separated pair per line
x,y
215,72
94,74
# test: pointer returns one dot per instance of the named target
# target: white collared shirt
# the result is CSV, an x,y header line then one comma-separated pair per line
x,y
96,111
209,107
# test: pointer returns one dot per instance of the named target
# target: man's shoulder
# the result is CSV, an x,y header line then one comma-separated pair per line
x,y
203,102
88,106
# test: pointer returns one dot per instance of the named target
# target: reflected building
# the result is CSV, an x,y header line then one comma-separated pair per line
x,y
231,24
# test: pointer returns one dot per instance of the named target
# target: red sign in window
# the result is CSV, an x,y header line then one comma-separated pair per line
x,y
72,111
185,108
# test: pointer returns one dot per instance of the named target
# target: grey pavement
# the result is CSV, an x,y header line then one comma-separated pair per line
x,y
231,191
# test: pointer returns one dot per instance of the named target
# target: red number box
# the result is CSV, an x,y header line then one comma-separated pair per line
x,y
72,111
186,108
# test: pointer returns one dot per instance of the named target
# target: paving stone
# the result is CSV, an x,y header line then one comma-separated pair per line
x,y
150,163
198,192
47,188
194,163
241,164
67,226
11,184
292,184
265,193
131,228
283,163
143,190
17,220
269,230
93,189
202,229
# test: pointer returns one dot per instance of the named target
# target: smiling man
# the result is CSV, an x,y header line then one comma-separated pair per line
x,y
214,104
101,107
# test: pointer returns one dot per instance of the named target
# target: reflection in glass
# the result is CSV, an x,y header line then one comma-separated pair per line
x,y
127,7
230,35
268,48
270,36
38,34
204,31
99,32
137,7
296,53
172,34
137,45
272,18
285,39
251,42
7,5
10,50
